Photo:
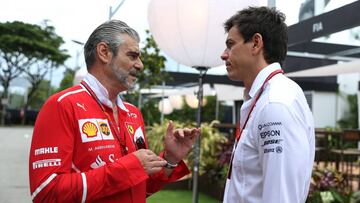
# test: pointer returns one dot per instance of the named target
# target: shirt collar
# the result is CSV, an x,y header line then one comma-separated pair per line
x,y
261,77
101,92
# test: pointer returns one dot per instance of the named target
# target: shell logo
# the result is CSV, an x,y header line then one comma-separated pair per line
x,y
89,129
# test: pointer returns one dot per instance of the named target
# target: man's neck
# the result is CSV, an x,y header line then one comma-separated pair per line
x,y
113,88
252,74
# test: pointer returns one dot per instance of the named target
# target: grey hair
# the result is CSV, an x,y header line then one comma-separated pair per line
x,y
107,32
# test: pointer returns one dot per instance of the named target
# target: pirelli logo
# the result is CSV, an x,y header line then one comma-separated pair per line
x,y
94,129
46,163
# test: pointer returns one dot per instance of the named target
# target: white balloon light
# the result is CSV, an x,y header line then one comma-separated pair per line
x,y
165,106
193,102
191,31
176,101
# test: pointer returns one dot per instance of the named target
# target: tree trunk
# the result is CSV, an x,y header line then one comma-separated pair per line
x,y
4,104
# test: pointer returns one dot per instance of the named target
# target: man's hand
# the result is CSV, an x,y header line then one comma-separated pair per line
x,y
150,161
179,143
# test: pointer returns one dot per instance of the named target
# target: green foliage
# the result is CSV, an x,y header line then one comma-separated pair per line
x,y
150,112
156,133
187,114
41,94
30,50
16,101
350,121
32,41
328,186
67,80
177,196
211,143
154,64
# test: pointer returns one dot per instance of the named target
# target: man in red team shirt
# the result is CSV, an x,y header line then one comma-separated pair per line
x,y
90,146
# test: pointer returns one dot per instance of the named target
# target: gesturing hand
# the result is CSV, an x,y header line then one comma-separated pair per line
x,y
179,143
150,161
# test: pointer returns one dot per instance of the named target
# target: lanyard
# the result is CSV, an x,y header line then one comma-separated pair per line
x,y
238,129
115,129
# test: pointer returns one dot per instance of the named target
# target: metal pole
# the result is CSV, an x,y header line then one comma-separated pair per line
x,y
195,193
111,12
162,103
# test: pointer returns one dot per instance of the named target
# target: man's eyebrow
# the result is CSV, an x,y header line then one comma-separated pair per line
x,y
134,53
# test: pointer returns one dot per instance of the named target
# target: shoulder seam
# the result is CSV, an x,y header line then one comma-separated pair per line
x,y
127,103
70,93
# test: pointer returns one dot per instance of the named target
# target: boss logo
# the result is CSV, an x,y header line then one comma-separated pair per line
x,y
267,142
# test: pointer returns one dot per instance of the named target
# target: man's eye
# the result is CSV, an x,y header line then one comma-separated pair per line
x,y
132,57
228,46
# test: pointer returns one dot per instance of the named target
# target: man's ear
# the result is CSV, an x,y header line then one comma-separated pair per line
x,y
103,53
258,43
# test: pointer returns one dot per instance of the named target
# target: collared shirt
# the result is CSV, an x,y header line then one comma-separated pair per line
x,y
273,160
76,154
102,93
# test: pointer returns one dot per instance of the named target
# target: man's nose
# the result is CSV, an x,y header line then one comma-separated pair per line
x,y
224,56
139,65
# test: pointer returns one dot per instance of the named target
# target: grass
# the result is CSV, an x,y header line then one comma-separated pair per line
x,y
178,196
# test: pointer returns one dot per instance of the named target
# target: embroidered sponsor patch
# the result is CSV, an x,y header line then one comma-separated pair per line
x,y
46,150
98,162
94,129
89,129
139,139
138,134
104,128
270,133
272,142
46,163
132,115
268,124
130,129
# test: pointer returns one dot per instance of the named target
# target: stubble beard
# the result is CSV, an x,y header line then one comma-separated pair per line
x,y
122,77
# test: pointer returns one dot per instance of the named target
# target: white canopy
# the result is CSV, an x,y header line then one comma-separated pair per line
x,y
229,92
329,70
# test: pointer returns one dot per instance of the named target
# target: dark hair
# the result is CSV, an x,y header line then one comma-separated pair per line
x,y
269,23
108,32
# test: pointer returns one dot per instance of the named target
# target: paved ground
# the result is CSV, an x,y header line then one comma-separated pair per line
x,y
14,155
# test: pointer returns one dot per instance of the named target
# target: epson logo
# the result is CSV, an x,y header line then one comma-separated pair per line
x,y
270,133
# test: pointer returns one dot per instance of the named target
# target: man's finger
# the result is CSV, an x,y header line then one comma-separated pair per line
x,y
170,128
195,132
179,133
